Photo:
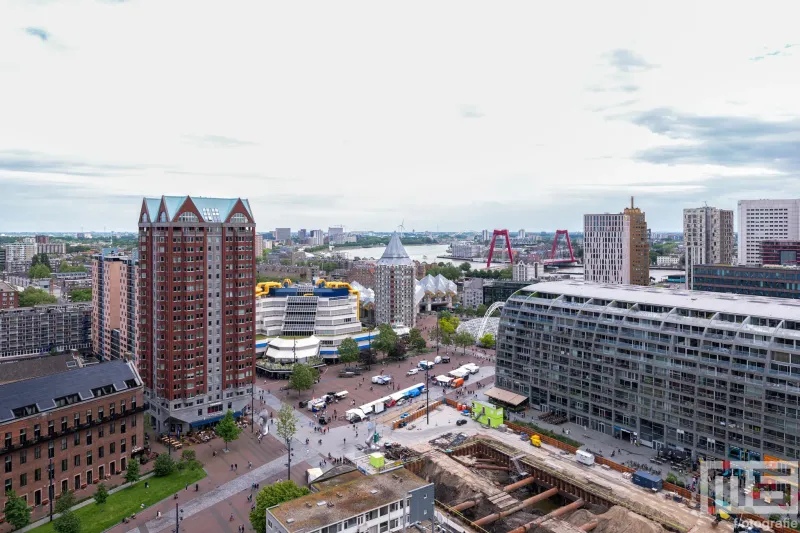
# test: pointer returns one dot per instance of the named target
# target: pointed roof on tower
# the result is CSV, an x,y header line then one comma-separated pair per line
x,y
395,254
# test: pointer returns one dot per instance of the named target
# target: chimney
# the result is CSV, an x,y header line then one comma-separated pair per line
x,y
631,202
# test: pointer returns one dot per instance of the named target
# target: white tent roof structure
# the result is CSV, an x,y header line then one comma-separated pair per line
x,y
367,295
395,254
437,286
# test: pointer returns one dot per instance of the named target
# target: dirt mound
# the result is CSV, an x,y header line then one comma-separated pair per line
x,y
450,488
616,520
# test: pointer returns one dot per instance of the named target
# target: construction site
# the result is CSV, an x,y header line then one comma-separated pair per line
x,y
486,485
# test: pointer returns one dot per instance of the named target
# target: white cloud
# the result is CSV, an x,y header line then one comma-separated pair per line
x,y
432,112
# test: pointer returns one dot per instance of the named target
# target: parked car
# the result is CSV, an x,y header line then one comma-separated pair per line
x,y
445,359
412,372
461,421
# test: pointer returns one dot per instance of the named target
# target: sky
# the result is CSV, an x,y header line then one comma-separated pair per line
x,y
434,115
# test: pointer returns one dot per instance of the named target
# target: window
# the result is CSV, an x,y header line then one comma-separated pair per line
x,y
112,427
122,427
51,428
76,438
101,431
111,409
111,447
23,436
89,438
64,465
88,416
8,485
89,458
122,446
8,466
63,424
37,474
23,480
8,441
51,450
133,441
99,413
122,406
133,420
37,431
384,510
63,444
37,452
101,452
23,457
76,461
76,420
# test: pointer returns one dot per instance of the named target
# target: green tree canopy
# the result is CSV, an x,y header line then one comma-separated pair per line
x,y
386,340
464,339
398,351
286,428
17,512
132,471
416,340
64,267
302,378
68,522
447,270
348,351
164,465
270,496
39,271
101,494
466,267
32,296
81,295
227,428
65,501
367,358
487,341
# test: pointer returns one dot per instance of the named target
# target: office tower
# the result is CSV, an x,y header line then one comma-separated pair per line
x,y
710,374
317,238
115,291
2,259
259,245
615,248
394,286
283,234
485,236
333,231
196,308
521,234
302,235
766,220
708,238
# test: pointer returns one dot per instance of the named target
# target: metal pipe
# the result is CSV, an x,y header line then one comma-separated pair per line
x,y
524,504
463,506
588,526
558,512
491,467
519,484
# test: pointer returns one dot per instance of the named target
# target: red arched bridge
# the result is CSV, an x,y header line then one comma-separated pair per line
x,y
557,257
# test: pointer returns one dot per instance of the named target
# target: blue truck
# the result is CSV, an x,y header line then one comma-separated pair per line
x,y
647,480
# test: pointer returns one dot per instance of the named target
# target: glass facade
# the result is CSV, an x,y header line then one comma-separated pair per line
x,y
752,281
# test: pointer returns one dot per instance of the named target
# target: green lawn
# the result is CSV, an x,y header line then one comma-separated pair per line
x,y
97,518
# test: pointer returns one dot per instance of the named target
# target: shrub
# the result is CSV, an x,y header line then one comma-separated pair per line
x,y
101,494
164,465
547,433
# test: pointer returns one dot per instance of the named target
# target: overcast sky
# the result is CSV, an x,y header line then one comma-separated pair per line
x,y
448,115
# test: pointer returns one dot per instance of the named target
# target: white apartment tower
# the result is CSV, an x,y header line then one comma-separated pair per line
x,y
708,237
616,249
766,220
394,286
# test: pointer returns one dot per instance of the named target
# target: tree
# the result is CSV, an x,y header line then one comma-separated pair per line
x,y
386,339
487,341
481,310
39,271
416,340
32,296
464,339
68,522
164,465
81,295
348,351
65,502
35,261
17,511
367,358
466,267
44,260
63,267
132,471
227,428
398,351
101,494
301,378
271,495
286,428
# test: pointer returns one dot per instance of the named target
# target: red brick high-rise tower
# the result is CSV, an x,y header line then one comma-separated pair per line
x,y
196,308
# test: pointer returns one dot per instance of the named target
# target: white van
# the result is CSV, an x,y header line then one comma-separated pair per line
x,y
437,360
584,458
472,367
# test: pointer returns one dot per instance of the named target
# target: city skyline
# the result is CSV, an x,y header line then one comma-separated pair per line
x,y
509,122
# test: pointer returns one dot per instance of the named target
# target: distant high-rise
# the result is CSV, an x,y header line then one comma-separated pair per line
x,y
115,286
615,248
485,236
196,308
394,286
521,234
259,245
302,235
317,238
42,239
283,234
335,230
708,238
766,220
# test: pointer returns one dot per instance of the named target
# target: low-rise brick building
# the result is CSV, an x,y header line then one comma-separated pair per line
x,y
80,423
9,297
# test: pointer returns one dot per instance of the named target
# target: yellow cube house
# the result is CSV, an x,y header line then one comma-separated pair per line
x,y
377,460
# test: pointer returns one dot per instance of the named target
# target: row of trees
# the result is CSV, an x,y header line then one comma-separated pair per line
x,y
41,268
